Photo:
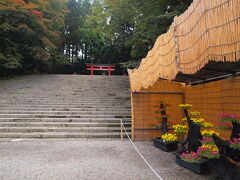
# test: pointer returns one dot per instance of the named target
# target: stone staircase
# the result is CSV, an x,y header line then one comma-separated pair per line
x,y
64,106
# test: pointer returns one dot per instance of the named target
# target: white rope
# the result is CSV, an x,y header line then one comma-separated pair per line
x,y
159,177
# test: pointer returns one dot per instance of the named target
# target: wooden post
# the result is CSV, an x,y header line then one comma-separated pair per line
x,y
133,116
109,70
91,69
121,131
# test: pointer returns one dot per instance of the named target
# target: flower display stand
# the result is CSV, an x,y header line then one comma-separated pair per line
x,y
165,146
200,167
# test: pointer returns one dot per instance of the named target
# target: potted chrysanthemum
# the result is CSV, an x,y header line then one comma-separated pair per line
x,y
189,157
192,161
198,161
235,143
180,130
167,142
227,165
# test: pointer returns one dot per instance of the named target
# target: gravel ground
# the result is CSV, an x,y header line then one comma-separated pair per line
x,y
87,159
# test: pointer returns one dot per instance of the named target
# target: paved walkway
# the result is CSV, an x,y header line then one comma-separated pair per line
x,y
82,159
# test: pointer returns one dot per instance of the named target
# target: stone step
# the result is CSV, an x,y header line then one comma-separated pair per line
x,y
126,112
62,120
76,101
63,124
90,97
61,129
96,93
67,103
62,135
64,116
36,108
66,96
61,106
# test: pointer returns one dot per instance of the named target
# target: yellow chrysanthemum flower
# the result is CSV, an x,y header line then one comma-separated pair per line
x,y
207,125
185,106
184,119
198,121
209,133
195,114
212,147
180,129
169,137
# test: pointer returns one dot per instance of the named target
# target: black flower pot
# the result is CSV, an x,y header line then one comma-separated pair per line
x,y
165,146
200,167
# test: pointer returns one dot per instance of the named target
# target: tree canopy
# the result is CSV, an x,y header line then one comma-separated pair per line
x,y
29,33
37,35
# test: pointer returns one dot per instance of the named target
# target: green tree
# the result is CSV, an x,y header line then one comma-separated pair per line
x,y
74,47
28,31
36,34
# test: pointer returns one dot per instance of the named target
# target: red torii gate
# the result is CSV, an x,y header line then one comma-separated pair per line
x,y
99,67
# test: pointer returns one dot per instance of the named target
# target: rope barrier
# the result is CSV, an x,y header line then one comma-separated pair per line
x,y
158,176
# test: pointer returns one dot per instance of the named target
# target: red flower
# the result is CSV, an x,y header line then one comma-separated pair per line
x,y
19,2
38,13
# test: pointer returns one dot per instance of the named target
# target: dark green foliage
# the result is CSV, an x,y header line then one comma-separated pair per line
x,y
117,31
27,33
42,36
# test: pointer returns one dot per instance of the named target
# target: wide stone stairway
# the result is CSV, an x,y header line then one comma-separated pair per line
x,y
64,106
